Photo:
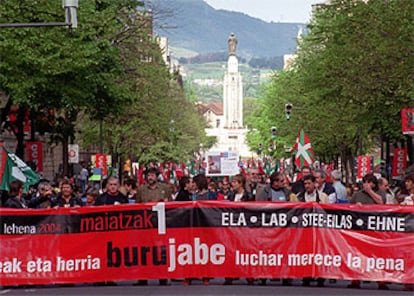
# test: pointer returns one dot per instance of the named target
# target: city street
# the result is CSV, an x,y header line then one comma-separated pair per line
x,y
239,287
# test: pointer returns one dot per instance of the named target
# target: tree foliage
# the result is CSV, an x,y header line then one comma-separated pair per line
x,y
352,75
157,123
108,69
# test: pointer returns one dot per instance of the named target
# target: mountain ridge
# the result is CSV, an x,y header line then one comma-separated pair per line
x,y
204,29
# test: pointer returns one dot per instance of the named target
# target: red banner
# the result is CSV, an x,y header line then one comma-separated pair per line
x,y
3,160
407,121
35,155
399,163
364,166
100,162
206,239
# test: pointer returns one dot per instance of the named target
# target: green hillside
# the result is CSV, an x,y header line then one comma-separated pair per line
x,y
196,26
210,87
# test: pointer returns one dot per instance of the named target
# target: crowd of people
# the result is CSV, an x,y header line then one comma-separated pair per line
x,y
314,185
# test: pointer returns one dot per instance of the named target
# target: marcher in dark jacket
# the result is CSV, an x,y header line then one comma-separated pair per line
x,y
15,199
239,194
66,198
184,194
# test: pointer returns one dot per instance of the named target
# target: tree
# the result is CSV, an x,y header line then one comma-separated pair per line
x,y
352,75
157,123
67,71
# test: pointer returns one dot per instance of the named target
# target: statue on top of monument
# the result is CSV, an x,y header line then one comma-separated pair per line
x,y
232,44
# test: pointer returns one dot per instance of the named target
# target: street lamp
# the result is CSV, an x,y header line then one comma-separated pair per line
x,y
172,123
200,163
71,18
260,149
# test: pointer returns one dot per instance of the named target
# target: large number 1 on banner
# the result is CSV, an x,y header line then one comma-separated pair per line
x,y
160,209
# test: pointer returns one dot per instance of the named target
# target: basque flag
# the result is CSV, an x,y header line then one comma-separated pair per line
x,y
304,155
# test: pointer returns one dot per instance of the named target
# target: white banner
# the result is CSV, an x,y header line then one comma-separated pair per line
x,y
73,153
222,163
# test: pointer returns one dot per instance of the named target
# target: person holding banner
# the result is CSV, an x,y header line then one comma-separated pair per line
x,y
15,199
298,186
409,186
225,188
112,195
370,194
312,194
66,198
325,187
384,188
340,189
275,191
202,192
239,194
185,189
44,196
152,191
253,182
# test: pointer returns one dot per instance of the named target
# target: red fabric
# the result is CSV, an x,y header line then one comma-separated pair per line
x,y
100,162
304,153
329,168
407,121
399,163
364,166
260,168
141,177
35,154
330,241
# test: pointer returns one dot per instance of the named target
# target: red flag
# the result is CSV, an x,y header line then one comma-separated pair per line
x,y
243,168
35,154
329,168
399,163
100,162
260,167
364,166
407,121
141,178
304,155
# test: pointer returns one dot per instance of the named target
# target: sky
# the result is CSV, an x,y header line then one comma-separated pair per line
x,y
285,11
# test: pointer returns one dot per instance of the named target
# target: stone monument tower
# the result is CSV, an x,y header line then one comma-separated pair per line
x,y
233,89
231,136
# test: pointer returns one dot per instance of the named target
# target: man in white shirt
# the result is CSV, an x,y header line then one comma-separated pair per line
x,y
311,193
340,189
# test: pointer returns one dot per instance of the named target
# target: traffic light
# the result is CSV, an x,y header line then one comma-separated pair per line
x,y
259,149
274,132
382,167
288,110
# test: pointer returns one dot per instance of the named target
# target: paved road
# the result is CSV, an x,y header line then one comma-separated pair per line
x,y
239,287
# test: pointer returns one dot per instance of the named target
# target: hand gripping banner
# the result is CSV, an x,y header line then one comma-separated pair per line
x,y
206,239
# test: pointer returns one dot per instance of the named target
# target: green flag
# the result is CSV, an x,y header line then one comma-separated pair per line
x,y
267,167
13,168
